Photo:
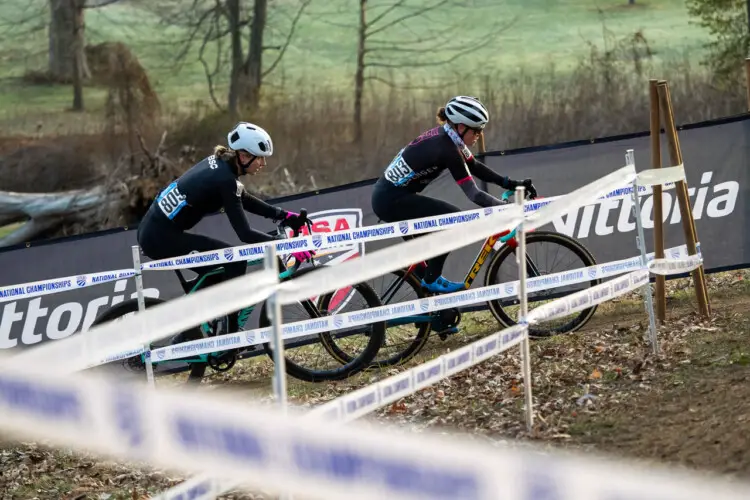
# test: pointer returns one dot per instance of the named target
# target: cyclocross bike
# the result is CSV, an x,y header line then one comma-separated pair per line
x,y
406,336
299,367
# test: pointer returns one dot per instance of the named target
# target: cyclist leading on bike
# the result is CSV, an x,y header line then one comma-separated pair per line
x,y
396,195
208,186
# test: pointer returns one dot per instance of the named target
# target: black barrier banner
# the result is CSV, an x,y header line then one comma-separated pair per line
x,y
715,155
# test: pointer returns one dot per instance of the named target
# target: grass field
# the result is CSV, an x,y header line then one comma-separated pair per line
x,y
536,34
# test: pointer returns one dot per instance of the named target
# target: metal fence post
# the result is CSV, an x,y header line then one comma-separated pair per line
x,y
142,307
523,312
641,244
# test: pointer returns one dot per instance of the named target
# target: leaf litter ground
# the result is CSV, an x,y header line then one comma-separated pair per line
x,y
599,389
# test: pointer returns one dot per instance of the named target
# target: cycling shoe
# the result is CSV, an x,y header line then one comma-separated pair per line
x,y
442,285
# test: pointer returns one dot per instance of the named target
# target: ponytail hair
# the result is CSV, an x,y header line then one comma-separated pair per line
x,y
442,118
226,154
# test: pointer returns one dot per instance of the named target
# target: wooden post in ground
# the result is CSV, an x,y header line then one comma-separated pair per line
x,y
660,290
688,223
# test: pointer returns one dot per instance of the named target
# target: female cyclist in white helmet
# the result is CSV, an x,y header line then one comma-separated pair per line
x,y
206,188
446,147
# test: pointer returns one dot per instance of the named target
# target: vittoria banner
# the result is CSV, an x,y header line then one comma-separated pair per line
x,y
715,156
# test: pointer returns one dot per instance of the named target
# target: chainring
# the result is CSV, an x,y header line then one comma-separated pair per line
x,y
222,362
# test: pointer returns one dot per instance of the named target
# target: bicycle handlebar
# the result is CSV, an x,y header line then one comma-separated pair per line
x,y
296,224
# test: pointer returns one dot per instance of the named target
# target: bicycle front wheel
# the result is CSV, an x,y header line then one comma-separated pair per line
x,y
308,357
188,371
546,253
404,337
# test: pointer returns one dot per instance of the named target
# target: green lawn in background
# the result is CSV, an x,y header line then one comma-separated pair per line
x,y
322,54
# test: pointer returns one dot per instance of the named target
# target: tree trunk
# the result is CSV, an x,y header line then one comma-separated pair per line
x,y
66,43
254,66
233,104
359,76
77,52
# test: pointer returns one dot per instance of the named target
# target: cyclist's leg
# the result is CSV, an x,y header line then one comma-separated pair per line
x,y
160,242
415,206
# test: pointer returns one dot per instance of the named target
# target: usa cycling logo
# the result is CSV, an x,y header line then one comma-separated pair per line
x,y
317,240
338,321
488,211
229,253
160,354
510,288
81,281
675,254
424,305
250,337
403,226
592,273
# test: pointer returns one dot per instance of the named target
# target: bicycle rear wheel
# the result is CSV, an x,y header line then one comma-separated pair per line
x,y
402,340
134,368
563,250
308,357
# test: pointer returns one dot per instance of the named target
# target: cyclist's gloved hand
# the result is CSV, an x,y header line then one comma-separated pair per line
x,y
303,256
530,189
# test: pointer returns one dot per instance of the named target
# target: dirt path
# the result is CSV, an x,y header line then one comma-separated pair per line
x,y
598,389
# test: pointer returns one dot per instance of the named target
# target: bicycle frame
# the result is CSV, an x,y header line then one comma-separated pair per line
x,y
242,316
505,237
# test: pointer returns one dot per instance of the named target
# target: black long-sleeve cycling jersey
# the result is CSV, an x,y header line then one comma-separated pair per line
x,y
434,151
207,187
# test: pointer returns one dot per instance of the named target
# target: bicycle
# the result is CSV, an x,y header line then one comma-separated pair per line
x,y
224,360
501,247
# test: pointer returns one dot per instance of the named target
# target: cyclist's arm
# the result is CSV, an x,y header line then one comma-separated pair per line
x,y
259,207
486,174
232,202
465,181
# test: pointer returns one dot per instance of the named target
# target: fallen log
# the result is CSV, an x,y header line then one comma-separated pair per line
x,y
45,211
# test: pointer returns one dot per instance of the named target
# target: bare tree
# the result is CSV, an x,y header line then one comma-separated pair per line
x,y
395,36
66,40
222,29
66,33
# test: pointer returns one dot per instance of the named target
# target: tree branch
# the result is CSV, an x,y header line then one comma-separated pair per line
x,y
417,13
305,3
442,85
201,52
388,10
458,51
95,4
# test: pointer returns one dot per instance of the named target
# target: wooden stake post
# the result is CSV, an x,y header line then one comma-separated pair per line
x,y
660,288
688,223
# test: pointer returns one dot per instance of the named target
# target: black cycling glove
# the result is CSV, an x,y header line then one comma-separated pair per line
x,y
526,183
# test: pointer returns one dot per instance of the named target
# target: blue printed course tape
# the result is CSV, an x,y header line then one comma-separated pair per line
x,y
347,237
47,287
383,313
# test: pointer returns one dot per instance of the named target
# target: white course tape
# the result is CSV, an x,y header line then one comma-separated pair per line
x,y
387,230
399,256
584,299
675,266
310,457
130,333
368,399
362,317
56,285
200,487
656,176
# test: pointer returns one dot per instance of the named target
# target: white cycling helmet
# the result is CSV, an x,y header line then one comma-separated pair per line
x,y
250,138
468,111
